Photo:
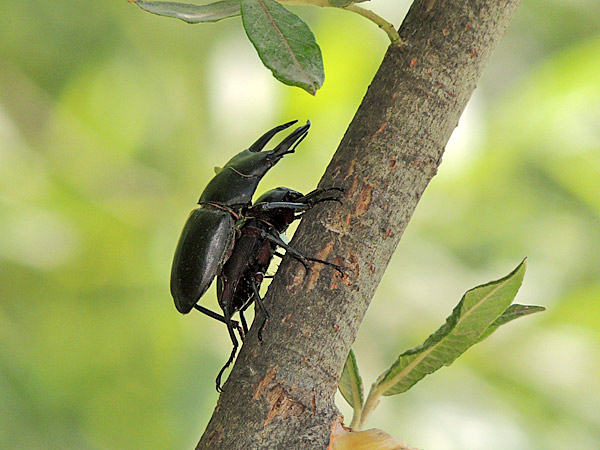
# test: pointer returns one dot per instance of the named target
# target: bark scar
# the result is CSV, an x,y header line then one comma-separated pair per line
x,y
350,169
282,404
364,200
379,130
269,376
217,436
315,273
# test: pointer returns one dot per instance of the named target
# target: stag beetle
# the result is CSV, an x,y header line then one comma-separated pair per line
x,y
238,283
208,235
225,215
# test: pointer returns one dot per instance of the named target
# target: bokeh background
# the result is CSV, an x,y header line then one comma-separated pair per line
x,y
111,121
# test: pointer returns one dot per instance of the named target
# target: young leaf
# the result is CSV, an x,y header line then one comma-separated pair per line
x,y
284,43
189,13
513,312
351,383
479,308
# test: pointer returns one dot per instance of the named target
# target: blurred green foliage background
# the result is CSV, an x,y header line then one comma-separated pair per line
x,y
111,121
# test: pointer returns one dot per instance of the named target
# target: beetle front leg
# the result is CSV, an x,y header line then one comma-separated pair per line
x,y
312,198
301,204
270,206
297,255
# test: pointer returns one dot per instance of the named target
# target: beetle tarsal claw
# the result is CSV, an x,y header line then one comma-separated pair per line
x,y
260,330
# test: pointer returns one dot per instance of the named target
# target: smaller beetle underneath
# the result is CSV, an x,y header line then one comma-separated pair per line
x,y
238,283
229,237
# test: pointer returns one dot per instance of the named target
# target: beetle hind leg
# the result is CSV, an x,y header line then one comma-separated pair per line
x,y
243,330
231,356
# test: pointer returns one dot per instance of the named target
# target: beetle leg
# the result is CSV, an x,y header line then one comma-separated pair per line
x,y
261,306
301,204
312,197
231,356
278,255
220,318
297,255
244,323
214,315
269,206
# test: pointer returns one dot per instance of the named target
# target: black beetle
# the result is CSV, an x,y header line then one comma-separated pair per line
x,y
208,236
214,233
238,283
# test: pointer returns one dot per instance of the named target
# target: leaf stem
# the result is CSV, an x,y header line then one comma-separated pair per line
x,y
321,3
368,14
379,21
356,419
357,407
370,405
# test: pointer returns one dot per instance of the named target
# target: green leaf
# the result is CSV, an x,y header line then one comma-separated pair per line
x,y
284,43
350,384
341,3
477,311
513,312
189,13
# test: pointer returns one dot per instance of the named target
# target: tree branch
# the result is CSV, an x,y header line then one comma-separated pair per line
x,y
280,393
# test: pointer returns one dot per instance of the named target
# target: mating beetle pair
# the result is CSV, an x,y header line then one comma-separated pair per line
x,y
229,237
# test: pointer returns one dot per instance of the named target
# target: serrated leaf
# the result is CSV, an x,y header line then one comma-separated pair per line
x,y
479,308
189,13
513,312
284,43
350,384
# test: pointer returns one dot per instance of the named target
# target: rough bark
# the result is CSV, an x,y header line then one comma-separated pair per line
x,y
280,394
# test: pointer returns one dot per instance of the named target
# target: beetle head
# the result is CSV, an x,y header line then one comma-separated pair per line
x,y
280,218
280,194
236,183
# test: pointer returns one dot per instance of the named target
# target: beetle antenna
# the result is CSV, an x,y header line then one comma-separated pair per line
x,y
265,138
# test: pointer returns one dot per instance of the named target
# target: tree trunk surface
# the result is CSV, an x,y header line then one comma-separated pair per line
x,y
280,393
